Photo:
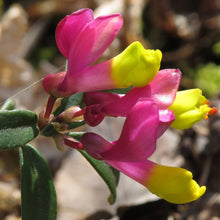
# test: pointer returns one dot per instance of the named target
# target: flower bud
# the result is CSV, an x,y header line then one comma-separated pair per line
x,y
72,114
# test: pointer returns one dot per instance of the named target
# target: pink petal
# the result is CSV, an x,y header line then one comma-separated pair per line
x,y
69,29
52,82
93,40
166,117
137,140
175,185
93,78
95,100
94,144
123,106
162,90
93,115
138,171
139,134
164,87
91,98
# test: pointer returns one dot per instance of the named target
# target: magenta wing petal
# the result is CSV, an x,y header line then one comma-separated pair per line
x,y
123,106
139,134
69,29
95,145
93,40
93,98
166,117
164,87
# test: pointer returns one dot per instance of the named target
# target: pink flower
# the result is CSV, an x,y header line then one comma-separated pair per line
x,y
82,40
130,153
162,90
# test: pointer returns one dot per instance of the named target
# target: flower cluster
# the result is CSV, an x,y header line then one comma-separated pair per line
x,y
151,106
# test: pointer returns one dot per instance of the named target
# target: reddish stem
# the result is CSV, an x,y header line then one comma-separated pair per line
x,y
73,144
49,108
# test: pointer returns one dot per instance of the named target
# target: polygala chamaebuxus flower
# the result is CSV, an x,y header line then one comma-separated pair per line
x,y
82,40
130,153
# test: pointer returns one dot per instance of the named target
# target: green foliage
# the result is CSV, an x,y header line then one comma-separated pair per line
x,y
216,48
17,127
72,125
208,78
77,135
8,105
74,100
49,131
37,188
108,174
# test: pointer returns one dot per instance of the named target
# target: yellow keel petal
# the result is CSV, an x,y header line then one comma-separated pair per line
x,y
135,66
174,184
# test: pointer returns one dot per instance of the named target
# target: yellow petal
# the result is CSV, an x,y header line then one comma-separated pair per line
x,y
135,66
174,184
188,119
189,107
185,100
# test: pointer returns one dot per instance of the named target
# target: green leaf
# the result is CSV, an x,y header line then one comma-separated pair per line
x,y
74,100
108,174
8,105
72,125
76,134
37,189
120,90
49,131
17,127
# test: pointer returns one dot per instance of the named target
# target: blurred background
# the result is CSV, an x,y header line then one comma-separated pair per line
x,y
188,34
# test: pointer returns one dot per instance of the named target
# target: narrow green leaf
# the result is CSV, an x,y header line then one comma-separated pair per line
x,y
76,99
8,105
37,189
72,125
108,174
76,134
17,127
120,90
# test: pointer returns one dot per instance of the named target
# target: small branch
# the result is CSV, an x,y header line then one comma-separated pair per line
x,y
49,108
